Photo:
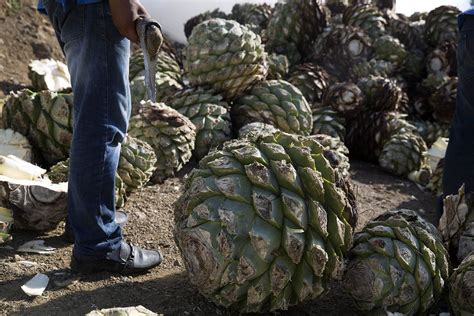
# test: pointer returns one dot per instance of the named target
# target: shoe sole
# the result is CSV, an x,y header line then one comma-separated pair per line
x,y
87,268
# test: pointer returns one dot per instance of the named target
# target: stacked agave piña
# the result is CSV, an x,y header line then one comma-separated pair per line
x,y
168,78
275,102
229,69
261,225
45,118
37,204
457,228
457,224
208,112
171,135
60,171
461,293
136,166
398,264
293,27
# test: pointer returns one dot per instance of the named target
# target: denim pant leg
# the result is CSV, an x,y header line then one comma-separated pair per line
x,y
97,57
459,161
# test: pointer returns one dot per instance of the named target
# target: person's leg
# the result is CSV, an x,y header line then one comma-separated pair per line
x,y
97,57
459,161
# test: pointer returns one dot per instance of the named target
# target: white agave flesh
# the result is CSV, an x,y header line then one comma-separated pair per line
x,y
56,74
437,152
36,286
16,168
13,143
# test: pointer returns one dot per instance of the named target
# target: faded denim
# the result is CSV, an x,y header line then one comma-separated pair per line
x,y
97,57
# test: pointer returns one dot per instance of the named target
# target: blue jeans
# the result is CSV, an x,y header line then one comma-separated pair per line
x,y
459,162
97,57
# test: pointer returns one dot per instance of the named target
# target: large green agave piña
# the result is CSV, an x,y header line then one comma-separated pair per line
x,y
261,225
398,265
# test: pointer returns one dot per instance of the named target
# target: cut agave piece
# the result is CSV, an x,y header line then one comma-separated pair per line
x,y
37,204
49,74
16,168
13,143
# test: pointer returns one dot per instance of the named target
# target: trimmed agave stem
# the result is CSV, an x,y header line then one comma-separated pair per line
x,y
16,168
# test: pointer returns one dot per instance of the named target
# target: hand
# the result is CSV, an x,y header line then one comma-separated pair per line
x,y
124,15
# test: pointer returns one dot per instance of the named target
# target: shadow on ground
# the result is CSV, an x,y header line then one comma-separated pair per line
x,y
157,295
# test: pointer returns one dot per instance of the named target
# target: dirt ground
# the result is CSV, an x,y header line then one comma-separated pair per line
x,y
166,289
25,35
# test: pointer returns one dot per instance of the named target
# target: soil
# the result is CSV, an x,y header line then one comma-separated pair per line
x,y
26,35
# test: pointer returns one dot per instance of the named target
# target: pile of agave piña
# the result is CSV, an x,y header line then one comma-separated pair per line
x,y
271,101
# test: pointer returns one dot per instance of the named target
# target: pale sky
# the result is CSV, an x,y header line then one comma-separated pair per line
x,y
172,14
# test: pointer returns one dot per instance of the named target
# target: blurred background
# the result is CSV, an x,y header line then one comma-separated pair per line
x,y
172,14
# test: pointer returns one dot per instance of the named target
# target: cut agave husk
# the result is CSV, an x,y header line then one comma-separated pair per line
x,y
37,204
16,168
49,74
437,152
13,143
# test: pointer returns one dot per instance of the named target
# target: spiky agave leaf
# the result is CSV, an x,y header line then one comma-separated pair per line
x,y
45,118
311,79
461,283
171,134
328,122
398,265
261,224
275,102
208,112
226,56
